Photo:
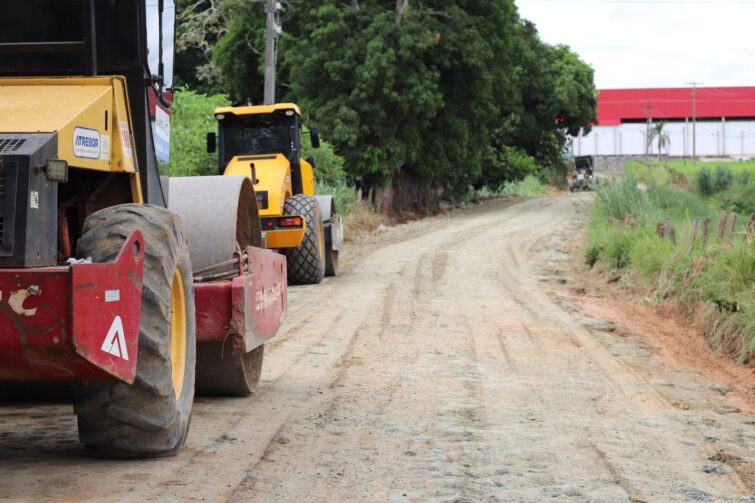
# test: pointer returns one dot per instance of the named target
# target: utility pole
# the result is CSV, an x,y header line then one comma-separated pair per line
x,y
694,117
272,30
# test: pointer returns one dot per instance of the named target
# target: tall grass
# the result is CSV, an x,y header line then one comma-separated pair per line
x,y
717,279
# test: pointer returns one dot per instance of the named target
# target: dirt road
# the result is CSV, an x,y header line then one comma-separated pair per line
x,y
447,363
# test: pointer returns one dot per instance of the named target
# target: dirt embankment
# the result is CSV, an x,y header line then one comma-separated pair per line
x,y
450,361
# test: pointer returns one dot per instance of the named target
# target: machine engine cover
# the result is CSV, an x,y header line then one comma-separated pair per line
x,y
28,201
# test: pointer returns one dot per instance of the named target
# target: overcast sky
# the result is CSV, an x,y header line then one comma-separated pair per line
x,y
653,43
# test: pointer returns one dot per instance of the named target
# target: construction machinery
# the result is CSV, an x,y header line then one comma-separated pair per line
x,y
263,143
134,287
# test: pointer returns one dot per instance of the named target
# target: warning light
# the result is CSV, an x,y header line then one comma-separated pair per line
x,y
289,221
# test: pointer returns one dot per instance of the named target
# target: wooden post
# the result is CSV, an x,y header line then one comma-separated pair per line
x,y
695,228
659,229
667,227
721,225
732,225
706,231
751,226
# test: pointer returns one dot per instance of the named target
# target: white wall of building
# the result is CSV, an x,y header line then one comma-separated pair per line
x,y
713,138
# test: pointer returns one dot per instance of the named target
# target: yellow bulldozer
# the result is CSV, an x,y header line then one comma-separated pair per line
x,y
263,143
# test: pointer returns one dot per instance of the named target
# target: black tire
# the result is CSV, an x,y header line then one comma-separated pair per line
x,y
223,370
146,418
306,264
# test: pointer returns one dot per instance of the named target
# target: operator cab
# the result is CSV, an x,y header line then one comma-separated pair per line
x,y
260,132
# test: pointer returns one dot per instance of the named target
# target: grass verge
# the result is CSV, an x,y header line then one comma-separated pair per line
x,y
713,282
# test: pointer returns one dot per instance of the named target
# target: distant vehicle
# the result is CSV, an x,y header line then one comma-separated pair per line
x,y
581,175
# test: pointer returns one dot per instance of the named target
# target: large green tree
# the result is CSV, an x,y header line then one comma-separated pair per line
x,y
447,93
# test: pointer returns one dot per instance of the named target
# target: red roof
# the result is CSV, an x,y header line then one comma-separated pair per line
x,y
615,105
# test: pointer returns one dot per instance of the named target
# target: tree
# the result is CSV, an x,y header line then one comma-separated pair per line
x,y
657,133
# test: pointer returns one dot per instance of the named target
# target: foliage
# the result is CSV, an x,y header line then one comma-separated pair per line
x,y
329,166
740,199
448,93
705,182
193,118
530,186
620,198
657,134
722,179
199,25
508,163
717,279
344,195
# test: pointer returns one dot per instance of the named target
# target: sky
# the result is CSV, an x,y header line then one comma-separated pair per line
x,y
653,43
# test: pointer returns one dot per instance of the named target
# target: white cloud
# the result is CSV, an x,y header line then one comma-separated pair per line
x,y
648,44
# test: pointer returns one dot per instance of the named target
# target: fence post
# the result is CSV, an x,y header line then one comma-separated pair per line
x,y
706,231
721,225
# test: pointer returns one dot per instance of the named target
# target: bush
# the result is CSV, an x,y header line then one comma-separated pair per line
x,y
705,182
531,186
740,199
554,176
722,179
193,118
592,254
744,178
508,163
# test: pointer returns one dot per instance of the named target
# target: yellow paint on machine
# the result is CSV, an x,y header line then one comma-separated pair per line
x,y
90,114
285,238
273,173
258,109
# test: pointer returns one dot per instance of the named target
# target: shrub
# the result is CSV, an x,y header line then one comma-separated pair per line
x,y
192,119
531,186
705,182
592,254
554,176
722,179
740,199
744,177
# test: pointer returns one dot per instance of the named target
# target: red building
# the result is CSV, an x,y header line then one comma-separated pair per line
x,y
724,124
616,106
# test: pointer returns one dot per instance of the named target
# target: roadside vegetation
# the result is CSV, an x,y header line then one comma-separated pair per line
x,y
680,232
428,99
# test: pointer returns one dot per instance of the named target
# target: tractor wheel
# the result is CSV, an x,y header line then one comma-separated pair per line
x,y
150,417
224,370
306,264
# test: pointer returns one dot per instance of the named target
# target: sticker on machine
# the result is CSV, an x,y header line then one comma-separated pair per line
x,y
126,139
86,143
115,340
105,147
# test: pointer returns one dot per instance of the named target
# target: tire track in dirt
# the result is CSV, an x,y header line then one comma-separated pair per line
x,y
438,366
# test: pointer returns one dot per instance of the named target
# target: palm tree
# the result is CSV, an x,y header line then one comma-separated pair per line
x,y
657,132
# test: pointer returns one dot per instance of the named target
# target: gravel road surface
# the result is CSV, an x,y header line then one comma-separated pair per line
x,y
448,362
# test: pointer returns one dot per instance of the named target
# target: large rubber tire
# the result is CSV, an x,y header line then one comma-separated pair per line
x,y
146,418
306,264
223,370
